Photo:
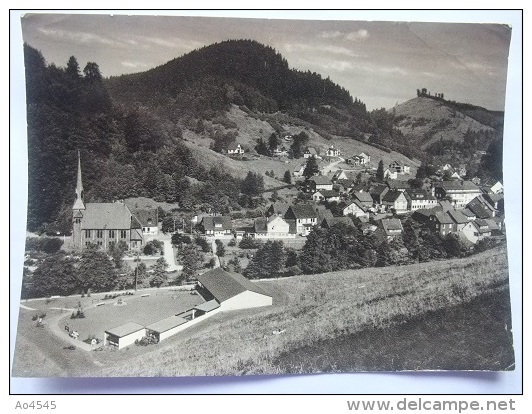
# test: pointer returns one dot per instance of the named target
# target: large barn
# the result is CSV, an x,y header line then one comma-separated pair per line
x,y
233,291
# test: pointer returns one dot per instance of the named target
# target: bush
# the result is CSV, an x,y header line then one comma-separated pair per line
x,y
203,243
249,243
43,244
232,243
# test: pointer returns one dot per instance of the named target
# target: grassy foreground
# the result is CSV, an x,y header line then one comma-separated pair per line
x,y
334,307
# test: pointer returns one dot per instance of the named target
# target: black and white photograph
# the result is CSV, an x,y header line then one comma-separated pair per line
x,y
221,196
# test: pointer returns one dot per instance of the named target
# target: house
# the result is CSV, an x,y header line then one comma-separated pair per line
x,y
148,219
356,161
298,172
278,152
333,152
364,158
390,174
124,335
377,192
497,188
442,223
278,208
455,175
392,227
323,212
310,152
355,209
459,192
320,182
419,199
216,225
395,200
399,168
235,149
339,175
459,220
397,185
272,227
468,214
481,208
364,198
103,224
326,195
327,223
304,216
233,291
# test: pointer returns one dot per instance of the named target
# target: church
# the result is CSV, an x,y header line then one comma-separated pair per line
x,y
103,224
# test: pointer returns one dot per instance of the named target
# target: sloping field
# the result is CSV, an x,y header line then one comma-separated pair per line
x,y
318,308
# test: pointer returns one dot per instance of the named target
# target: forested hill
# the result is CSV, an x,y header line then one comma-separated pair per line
x,y
243,72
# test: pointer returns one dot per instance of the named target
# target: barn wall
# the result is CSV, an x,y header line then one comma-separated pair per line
x,y
246,300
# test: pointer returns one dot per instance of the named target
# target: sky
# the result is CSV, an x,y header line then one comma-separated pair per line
x,y
381,63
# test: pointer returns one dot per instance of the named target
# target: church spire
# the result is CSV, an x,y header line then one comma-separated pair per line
x,y
78,204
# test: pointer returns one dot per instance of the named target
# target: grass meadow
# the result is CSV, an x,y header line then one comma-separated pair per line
x,y
317,312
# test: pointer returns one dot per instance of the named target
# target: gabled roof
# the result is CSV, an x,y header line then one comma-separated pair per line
x,y
208,306
233,146
356,203
328,193
224,285
492,224
418,194
260,225
443,218
467,212
311,150
457,216
323,212
392,196
301,211
445,205
479,208
482,226
279,207
396,184
321,180
147,217
210,221
329,222
378,189
116,216
363,197
391,225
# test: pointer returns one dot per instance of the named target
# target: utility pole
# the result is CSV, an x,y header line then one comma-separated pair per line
x,y
137,271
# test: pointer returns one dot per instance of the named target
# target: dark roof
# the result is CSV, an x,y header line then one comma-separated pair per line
x,y
312,151
378,189
457,216
166,324
363,197
115,216
321,180
323,212
147,217
279,207
329,222
492,224
260,225
391,224
445,205
292,227
443,218
224,285
396,184
479,208
418,194
458,185
233,146
299,211
125,329
209,222
467,212
392,195
328,193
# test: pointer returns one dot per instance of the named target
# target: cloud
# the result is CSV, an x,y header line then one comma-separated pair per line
x,y
331,35
305,47
129,64
172,42
358,35
81,37
338,65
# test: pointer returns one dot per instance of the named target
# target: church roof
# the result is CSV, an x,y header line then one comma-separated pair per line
x,y
106,216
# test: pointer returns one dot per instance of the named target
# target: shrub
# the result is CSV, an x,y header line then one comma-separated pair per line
x,y
232,242
249,243
43,244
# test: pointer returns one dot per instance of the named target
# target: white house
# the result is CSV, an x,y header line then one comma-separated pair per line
x,y
333,152
356,209
326,195
389,174
235,149
364,158
233,291
272,227
310,152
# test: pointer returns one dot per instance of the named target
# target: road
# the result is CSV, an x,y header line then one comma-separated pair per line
x,y
332,166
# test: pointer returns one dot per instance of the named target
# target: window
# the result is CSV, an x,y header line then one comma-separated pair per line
x,y
87,243
87,234
77,221
99,234
112,234
123,234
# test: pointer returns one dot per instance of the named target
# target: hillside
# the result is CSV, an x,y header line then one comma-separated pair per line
x,y
334,306
426,121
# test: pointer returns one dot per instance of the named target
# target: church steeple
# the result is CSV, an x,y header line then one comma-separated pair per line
x,y
78,204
